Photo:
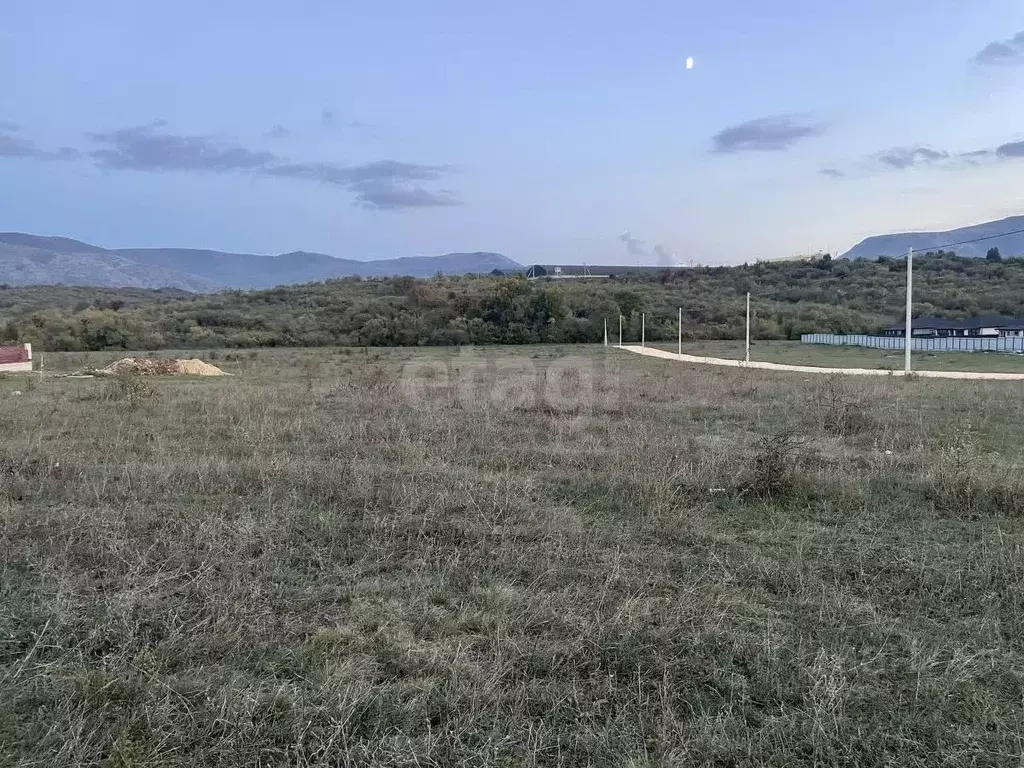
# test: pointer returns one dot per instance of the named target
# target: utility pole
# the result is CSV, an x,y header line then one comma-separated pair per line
x,y
643,330
747,356
908,335
680,352
620,330
606,331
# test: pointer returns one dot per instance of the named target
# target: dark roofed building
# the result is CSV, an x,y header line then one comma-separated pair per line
x,y
995,325
929,326
982,325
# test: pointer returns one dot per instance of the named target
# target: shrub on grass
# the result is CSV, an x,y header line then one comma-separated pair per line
x,y
132,389
771,474
840,408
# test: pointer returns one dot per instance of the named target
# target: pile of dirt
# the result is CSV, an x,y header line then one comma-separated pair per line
x,y
145,366
196,367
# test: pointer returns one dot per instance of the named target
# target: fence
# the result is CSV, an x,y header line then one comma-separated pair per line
x,y
920,343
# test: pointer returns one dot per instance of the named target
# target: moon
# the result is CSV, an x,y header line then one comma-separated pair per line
x,y
689,62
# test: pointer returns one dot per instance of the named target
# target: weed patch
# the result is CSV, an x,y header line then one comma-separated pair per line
x,y
840,408
131,389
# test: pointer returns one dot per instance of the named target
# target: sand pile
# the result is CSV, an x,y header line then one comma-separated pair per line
x,y
196,367
144,366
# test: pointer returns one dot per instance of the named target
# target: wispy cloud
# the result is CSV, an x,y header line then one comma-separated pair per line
x,y
975,157
384,184
908,157
148,148
1012,150
13,145
386,195
152,148
1002,52
765,134
911,157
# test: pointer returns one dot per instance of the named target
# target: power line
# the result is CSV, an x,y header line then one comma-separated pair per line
x,y
932,249
979,239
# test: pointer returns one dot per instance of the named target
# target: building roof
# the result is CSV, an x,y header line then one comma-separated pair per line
x,y
932,324
973,323
994,321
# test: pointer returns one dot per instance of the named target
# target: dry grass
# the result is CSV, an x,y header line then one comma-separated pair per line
x,y
821,355
322,562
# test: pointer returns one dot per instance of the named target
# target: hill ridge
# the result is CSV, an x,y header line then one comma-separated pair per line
x,y
27,259
988,235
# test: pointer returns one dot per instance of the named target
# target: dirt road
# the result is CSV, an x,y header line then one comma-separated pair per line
x,y
651,352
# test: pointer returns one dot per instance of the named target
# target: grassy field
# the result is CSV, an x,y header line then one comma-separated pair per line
x,y
796,353
517,557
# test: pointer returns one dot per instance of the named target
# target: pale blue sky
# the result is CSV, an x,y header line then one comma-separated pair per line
x,y
543,130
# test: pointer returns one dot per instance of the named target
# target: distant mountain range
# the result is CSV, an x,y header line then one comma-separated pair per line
x,y
899,244
37,260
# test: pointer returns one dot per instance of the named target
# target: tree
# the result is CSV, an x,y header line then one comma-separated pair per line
x,y
993,255
630,302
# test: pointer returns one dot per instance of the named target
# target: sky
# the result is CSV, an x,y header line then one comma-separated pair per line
x,y
552,132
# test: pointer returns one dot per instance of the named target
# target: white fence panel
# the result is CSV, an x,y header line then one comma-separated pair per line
x,y
919,343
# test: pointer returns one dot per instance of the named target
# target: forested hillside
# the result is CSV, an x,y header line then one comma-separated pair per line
x,y
788,299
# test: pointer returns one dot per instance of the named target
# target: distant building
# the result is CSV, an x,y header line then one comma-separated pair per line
x,y
985,326
798,258
568,271
995,325
16,358
929,326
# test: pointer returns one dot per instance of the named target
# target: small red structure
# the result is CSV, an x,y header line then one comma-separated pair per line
x,y
16,358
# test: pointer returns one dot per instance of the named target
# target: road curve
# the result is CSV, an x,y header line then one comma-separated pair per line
x,y
660,353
